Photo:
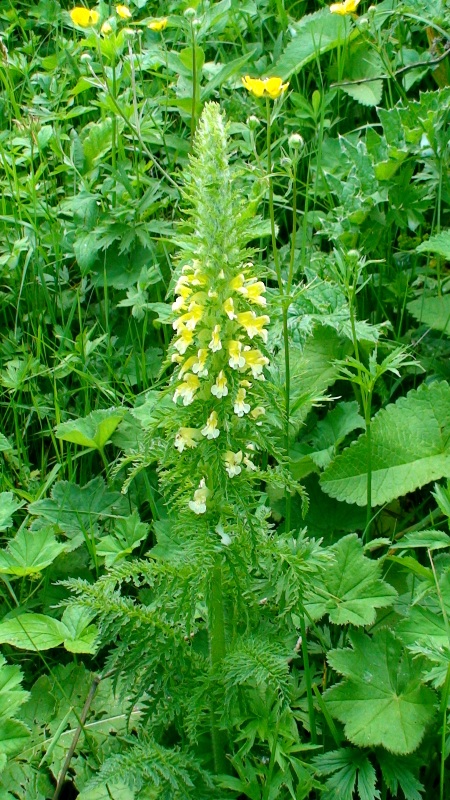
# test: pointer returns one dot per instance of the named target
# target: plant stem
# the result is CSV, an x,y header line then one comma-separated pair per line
x,y
444,703
308,681
217,649
285,307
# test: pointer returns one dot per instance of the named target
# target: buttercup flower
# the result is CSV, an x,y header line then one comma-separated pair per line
x,y
186,437
123,12
84,17
219,388
347,7
233,463
158,24
198,504
211,431
262,87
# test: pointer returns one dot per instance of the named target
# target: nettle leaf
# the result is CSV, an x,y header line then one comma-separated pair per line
x,y
8,506
315,34
125,538
345,766
382,701
432,311
91,431
30,552
410,447
439,244
351,588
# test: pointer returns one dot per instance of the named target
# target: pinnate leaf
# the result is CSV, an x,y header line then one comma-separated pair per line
x,y
382,701
351,588
410,447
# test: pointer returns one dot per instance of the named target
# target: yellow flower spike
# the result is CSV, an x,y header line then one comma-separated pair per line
x,y
240,406
158,24
254,325
186,438
347,7
187,365
211,431
84,17
191,318
123,12
199,366
198,504
233,463
187,389
265,87
219,389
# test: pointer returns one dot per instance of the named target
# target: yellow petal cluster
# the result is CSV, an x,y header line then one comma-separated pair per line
x,y
158,24
265,87
347,7
84,17
123,12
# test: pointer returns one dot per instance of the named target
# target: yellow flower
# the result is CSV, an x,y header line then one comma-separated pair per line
x,y
123,12
199,365
215,344
228,307
347,7
254,325
253,293
186,437
211,431
256,361
187,389
106,28
219,389
198,504
185,339
158,24
190,319
233,463
236,361
84,17
240,406
262,87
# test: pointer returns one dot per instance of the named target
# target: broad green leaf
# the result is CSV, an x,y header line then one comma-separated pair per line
x,y
351,589
315,34
80,634
410,447
13,736
432,540
439,244
333,429
30,552
8,506
32,632
97,142
11,694
91,431
425,625
5,444
126,536
432,311
381,702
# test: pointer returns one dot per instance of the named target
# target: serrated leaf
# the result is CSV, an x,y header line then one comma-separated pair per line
x,y
32,632
80,634
432,540
315,34
8,506
125,538
333,429
345,766
30,552
351,589
364,64
439,244
11,694
381,702
397,773
13,736
432,311
5,444
410,447
91,431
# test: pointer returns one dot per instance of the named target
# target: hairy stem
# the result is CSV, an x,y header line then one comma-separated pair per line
x,y
216,632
